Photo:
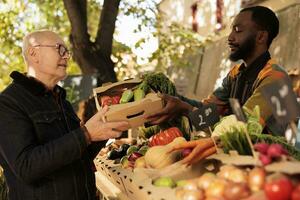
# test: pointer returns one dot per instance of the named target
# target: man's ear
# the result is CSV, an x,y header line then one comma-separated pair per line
x,y
262,37
33,54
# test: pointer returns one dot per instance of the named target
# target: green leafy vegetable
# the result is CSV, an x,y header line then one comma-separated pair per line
x,y
159,82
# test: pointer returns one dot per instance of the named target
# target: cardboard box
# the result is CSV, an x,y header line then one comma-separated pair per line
x,y
137,183
133,112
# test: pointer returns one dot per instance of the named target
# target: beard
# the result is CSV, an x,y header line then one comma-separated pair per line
x,y
243,50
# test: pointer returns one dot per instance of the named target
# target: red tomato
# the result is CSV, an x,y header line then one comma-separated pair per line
x,y
175,131
296,193
116,99
165,137
279,189
106,100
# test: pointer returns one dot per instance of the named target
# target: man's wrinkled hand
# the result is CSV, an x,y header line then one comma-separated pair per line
x,y
100,130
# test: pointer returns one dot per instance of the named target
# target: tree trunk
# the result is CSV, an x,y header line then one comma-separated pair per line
x,y
93,57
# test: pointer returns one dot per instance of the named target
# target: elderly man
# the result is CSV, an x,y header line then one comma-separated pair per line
x,y
253,31
44,152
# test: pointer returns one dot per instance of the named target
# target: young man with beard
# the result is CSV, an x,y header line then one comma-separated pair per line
x,y
253,31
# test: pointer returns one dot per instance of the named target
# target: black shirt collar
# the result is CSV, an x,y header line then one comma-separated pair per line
x,y
256,65
35,86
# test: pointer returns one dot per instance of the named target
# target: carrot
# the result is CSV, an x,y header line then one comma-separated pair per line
x,y
191,144
198,151
205,154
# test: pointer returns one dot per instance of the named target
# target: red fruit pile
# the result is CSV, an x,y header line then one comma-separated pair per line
x,y
269,152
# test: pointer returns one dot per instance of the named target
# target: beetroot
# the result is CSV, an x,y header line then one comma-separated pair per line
x,y
265,160
276,151
134,156
185,152
261,147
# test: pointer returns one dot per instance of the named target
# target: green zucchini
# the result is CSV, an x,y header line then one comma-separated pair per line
x,y
126,96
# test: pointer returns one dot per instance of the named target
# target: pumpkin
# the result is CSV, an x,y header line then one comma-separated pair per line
x,y
165,137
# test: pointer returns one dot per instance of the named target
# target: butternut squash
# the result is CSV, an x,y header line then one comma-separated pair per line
x,y
158,156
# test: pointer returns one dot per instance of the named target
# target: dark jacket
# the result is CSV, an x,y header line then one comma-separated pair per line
x,y
43,150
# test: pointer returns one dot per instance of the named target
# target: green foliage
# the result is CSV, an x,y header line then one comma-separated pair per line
x,y
270,139
18,18
161,83
176,44
235,140
72,94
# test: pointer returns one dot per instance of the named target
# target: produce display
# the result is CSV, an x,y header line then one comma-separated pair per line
x,y
156,82
157,164
165,137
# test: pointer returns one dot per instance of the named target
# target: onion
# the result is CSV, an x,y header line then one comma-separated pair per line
x,y
236,191
256,179
216,188
233,174
190,185
225,171
193,195
184,194
205,180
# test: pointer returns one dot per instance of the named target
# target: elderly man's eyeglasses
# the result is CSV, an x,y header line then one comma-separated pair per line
x,y
61,49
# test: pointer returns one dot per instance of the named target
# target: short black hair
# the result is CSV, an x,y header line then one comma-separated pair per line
x,y
266,19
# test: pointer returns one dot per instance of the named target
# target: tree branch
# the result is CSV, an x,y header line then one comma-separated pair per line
x,y
77,13
106,26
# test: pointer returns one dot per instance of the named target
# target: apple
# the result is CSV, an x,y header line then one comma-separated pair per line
x,y
164,182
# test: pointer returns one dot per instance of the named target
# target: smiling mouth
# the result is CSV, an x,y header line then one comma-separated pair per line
x,y
233,47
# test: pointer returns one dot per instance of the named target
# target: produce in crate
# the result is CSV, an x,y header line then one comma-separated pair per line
x,y
159,82
127,101
110,100
232,135
256,179
118,153
165,137
159,156
231,183
164,182
127,95
280,188
201,149
269,153
134,157
296,192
